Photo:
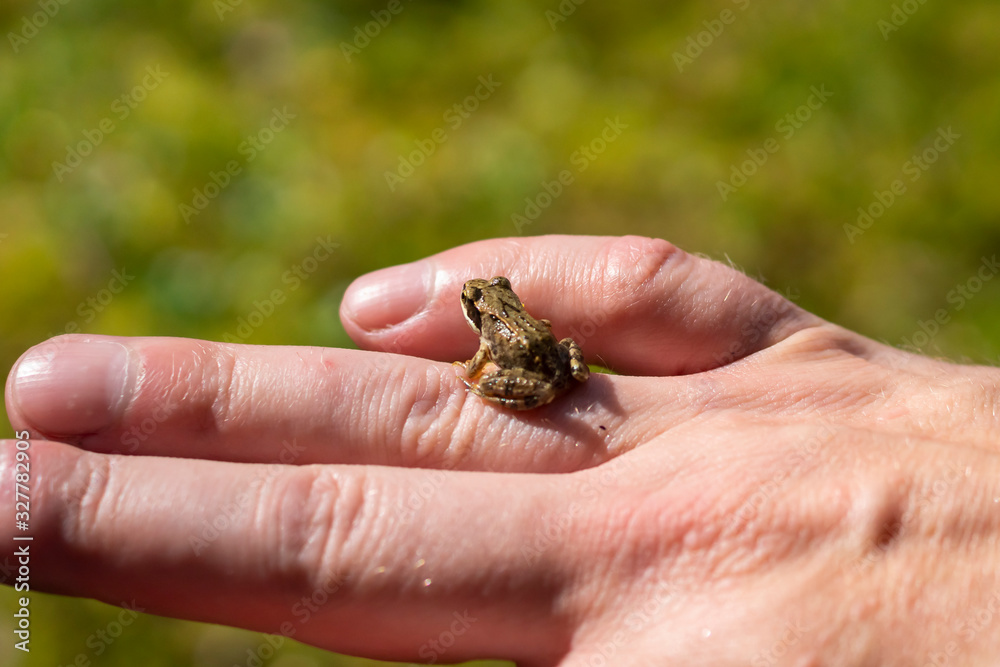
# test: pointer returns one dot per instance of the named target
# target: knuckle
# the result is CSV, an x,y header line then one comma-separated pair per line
x,y
433,433
318,521
636,262
88,498
632,280
816,338
206,378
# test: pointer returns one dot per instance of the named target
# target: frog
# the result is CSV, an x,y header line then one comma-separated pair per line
x,y
532,367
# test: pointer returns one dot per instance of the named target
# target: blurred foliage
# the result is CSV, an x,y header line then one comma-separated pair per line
x,y
146,105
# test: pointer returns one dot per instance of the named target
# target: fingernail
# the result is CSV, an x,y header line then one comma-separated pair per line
x,y
68,386
388,296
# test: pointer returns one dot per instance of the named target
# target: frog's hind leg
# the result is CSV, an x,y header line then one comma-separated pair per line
x,y
514,391
577,367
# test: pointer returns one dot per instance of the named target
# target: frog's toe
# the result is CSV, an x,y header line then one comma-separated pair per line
x,y
577,366
463,376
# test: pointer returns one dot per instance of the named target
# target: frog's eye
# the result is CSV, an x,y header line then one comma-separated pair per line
x,y
500,281
472,314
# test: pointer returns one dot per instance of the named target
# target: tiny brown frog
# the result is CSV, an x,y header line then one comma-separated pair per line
x,y
532,368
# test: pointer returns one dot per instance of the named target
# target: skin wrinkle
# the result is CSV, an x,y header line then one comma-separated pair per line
x,y
246,386
697,406
748,546
215,385
84,512
380,398
358,389
800,397
461,436
954,474
428,436
271,528
136,376
312,524
855,405
353,397
175,379
406,401
336,523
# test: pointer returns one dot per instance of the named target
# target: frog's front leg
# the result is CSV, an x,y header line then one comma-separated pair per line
x,y
514,389
577,366
474,366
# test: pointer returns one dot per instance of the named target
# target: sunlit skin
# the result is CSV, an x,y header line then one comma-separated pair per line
x,y
755,485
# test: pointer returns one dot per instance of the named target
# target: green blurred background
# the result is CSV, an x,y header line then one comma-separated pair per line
x,y
116,115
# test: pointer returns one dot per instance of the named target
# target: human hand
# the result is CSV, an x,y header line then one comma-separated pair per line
x,y
757,485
